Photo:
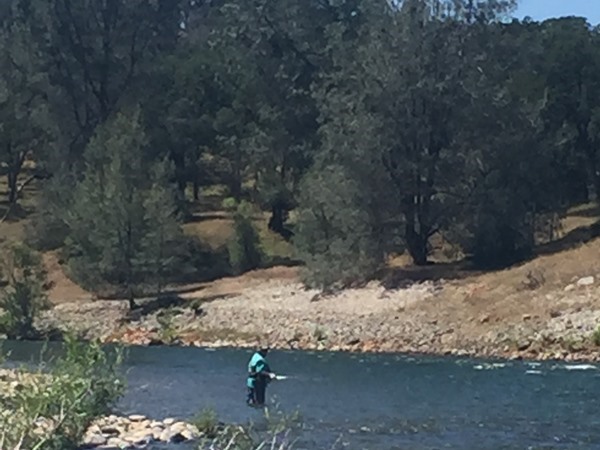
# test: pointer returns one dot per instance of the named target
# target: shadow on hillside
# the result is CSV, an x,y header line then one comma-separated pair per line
x,y
400,277
571,240
164,302
17,212
147,307
284,261
216,215
205,217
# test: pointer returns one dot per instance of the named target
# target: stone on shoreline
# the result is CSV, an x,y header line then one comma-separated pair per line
x,y
137,431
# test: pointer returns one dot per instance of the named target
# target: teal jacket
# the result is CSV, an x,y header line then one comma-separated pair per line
x,y
258,368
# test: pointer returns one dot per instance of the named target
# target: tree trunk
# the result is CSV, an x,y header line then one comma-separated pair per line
x,y
12,187
196,190
235,187
417,245
277,221
131,301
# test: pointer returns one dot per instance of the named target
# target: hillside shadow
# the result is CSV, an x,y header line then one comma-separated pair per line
x,y
149,306
284,261
205,217
401,277
17,213
572,239
146,307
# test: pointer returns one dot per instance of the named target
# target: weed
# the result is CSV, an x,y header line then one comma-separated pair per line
x,y
596,336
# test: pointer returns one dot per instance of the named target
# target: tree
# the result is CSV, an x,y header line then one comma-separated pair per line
x,y
122,222
570,65
244,248
338,236
161,245
24,126
24,297
96,54
273,48
404,69
509,173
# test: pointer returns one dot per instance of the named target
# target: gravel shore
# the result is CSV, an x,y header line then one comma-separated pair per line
x,y
441,317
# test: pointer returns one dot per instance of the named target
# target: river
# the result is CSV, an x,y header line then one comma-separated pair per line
x,y
375,402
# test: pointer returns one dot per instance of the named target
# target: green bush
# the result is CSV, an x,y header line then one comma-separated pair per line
x,y
207,423
244,248
596,337
337,236
168,330
52,410
24,297
279,433
229,204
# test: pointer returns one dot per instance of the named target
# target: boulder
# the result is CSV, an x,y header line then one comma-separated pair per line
x,y
118,443
140,438
94,439
585,281
170,436
137,418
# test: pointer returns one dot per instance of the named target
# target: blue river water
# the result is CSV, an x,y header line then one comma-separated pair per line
x,y
375,402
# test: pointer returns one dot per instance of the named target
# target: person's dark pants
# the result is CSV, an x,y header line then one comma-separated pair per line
x,y
256,394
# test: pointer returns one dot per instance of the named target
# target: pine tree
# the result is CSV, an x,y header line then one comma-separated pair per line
x,y
122,220
161,245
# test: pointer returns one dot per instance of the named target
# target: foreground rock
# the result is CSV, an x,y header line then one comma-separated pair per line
x,y
137,431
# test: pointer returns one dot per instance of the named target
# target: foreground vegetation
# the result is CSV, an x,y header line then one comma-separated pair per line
x,y
52,409
280,431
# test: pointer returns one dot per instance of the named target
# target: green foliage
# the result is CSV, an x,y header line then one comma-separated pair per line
x,y
596,337
168,331
244,248
48,228
25,124
80,386
23,298
230,204
375,125
336,231
207,423
123,223
279,432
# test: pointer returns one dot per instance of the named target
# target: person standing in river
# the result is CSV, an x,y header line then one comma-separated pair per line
x,y
259,376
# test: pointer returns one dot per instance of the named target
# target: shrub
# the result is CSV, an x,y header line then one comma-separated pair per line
x,y
53,410
23,297
168,330
245,252
279,434
337,234
596,337
207,423
229,204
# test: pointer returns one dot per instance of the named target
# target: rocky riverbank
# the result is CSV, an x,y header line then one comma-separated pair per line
x,y
481,316
136,432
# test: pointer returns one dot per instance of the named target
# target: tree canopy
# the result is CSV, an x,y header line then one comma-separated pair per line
x,y
363,129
